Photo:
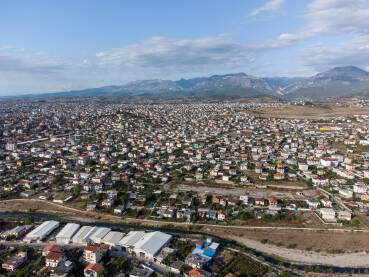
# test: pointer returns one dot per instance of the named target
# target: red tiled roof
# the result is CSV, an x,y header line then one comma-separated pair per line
x,y
92,248
53,248
93,268
197,273
55,256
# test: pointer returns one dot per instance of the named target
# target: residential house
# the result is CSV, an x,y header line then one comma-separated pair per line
x,y
14,262
260,201
344,215
54,259
328,214
92,270
326,202
93,253
313,203
197,272
221,215
51,248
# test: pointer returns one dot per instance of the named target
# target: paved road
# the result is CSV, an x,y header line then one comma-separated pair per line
x,y
40,245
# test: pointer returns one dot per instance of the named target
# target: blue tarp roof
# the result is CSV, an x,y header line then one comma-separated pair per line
x,y
206,253
209,252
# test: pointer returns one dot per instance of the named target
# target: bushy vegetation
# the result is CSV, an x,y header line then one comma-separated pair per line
x,y
243,266
183,247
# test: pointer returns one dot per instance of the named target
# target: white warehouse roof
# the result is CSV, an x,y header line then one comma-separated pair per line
x,y
81,234
99,234
68,231
131,238
151,243
43,230
112,238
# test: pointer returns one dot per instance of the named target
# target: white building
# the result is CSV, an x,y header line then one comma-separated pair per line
x,y
128,242
313,203
328,214
244,199
326,202
83,235
344,215
66,234
360,188
366,174
303,167
99,234
346,193
41,231
11,146
329,162
112,239
145,245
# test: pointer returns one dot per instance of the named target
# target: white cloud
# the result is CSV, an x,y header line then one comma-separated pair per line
x,y
272,5
337,16
181,55
327,18
15,60
330,17
353,52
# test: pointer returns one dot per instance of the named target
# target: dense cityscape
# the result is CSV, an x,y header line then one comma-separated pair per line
x,y
184,138
180,164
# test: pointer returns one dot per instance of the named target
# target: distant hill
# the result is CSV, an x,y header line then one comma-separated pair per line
x,y
337,82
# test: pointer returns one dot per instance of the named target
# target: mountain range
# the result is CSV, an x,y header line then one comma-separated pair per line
x,y
337,82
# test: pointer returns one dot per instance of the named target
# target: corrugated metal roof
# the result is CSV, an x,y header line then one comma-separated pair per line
x,y
68,231
43,229
152,242
112,238
131,238
78,238
99,234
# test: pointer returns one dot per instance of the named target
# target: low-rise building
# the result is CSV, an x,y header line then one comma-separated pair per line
x,y
344,215
328,214
54,259
93,253
92,270
14,262
66,234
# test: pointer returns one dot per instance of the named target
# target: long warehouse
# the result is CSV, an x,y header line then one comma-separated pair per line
x,y
82,234
100,233
145,245
41,231
112,238
66,234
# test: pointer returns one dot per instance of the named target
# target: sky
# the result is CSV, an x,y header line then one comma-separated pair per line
x,y
49,46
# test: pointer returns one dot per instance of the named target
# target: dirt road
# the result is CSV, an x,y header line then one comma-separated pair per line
x,y
360,259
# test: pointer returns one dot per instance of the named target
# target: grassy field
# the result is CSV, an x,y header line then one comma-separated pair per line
x,y
319,111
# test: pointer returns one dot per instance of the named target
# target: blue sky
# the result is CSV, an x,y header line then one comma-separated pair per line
x,y
48,46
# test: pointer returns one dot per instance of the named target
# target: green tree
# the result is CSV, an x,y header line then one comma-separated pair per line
x,y
76,189
29,220
121,263
62,195
103,273
122,198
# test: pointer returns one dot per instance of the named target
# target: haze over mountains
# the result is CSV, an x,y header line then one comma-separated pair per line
x,y
337,82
